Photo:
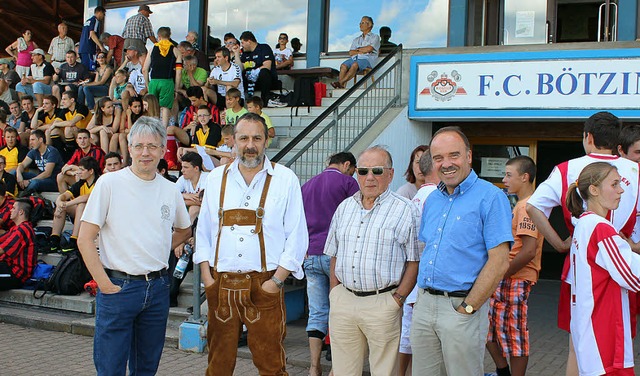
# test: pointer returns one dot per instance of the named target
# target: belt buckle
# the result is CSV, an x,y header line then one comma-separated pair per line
x,y
146,277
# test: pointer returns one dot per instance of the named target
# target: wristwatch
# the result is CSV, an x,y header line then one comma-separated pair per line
x,y
278,282
401,298
467,308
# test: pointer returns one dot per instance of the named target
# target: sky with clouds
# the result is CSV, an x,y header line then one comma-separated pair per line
x,y
415,23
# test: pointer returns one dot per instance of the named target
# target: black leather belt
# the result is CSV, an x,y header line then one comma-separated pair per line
x,y
142,277
369,293
453,294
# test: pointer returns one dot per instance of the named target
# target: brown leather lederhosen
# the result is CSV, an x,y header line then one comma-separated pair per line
x,y
238,298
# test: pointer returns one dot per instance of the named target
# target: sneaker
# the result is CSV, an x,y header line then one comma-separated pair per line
x,y
52,247
275,103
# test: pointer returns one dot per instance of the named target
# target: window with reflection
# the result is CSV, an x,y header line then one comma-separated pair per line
x,y
489,161
415,24
173,14
266,19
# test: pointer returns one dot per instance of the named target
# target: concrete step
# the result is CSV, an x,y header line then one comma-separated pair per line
x,y
61,321
49,223
83,303
52,196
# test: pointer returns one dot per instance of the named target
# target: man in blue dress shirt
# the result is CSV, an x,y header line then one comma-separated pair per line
x,y
466,227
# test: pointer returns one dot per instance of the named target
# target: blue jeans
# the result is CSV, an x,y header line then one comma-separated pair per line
x,y
35,88
317,270
131,324
90,92
41,185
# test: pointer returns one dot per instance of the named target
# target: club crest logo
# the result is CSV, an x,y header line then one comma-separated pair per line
x,y
443,89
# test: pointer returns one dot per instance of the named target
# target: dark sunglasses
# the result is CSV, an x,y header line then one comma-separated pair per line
x,y
377,171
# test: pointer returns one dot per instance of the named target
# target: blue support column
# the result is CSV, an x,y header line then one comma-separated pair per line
x,y
197,19
627,20
316,32
457,32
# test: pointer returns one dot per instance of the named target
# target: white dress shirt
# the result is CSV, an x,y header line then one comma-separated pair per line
x,y
285,228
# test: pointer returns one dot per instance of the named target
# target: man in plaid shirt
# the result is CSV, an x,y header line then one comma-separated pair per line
x,y
137,29
17,251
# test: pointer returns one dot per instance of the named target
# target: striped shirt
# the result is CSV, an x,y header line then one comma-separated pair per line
x,y
19,250
137,27
604,271
94,151
371,247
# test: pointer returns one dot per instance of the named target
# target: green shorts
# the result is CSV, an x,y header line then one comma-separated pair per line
x,y
163,89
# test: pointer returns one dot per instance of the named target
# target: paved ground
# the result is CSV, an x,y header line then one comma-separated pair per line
x,y
35,352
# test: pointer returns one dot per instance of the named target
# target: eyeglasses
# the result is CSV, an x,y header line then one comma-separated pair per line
x,y
150,147
377,171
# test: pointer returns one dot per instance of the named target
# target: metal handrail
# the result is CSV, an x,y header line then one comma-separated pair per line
x,y
335,106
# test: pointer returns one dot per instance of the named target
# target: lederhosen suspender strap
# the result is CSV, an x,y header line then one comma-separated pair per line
x,y
243,217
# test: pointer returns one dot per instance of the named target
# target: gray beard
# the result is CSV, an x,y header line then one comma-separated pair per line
x,y
253,162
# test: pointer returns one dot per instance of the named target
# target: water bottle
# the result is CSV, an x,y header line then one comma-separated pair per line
x,y
181,266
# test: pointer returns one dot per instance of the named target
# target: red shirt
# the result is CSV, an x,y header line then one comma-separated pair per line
x,y
19,250
190,115
94,151
5,213
116,43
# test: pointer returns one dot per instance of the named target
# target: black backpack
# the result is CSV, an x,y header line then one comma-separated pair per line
x,y
68,277
303,92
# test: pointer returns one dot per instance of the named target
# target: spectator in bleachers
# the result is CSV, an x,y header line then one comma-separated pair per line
x,y
151,106
363,51
163,170
255,105
191,186
225,75
187,49
72,202
385,45
189,121
6,204
89,39
259,66
112,162
205,133
138,29
46,114
234,108
99,86
129,117
21,51
225,152
39,79
296,46
117,87
104,121
116,48
59,46
192,75
8,81
13,151
192,37
69,172
48,162
69,75
136,84
3,125
283,54
73,116
17,249
14,115
163,72
235,49
191,183
28,112
8,179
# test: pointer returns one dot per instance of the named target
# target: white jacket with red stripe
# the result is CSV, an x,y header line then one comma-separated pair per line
x,y
604,270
